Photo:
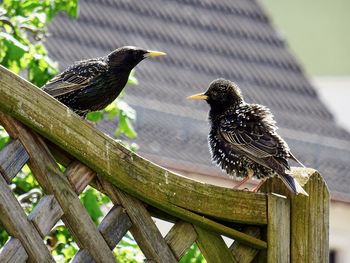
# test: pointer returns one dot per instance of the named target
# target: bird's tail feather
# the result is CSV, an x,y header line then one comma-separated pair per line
x,y
293,185
295,159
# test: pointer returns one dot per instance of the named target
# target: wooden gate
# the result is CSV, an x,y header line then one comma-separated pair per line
x,y
273,226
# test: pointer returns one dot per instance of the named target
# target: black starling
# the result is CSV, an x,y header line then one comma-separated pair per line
x,y
92,84
243,139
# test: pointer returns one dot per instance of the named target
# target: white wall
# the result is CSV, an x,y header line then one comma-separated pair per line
x,y
339,237
335,93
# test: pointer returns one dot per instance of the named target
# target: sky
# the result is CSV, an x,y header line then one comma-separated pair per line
x,y
318,33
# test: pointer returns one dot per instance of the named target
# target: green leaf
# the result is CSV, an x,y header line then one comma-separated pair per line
x,y
126,110
125,127
193,255
132,79
4,137
95,116
14,51
90,201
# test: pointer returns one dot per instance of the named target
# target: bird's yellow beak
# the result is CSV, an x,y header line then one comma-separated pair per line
x,y
199,96
152,53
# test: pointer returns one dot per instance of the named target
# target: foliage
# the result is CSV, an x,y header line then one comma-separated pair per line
x,y
127,251
23,28
193,255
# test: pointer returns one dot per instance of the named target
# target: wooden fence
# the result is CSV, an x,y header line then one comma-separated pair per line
x,y
273,226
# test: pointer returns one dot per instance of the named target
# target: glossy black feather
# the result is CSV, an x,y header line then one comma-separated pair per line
x,y
243,136
91,85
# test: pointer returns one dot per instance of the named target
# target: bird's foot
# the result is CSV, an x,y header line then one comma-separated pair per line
x,y
242,182
92,123
257,187
250,174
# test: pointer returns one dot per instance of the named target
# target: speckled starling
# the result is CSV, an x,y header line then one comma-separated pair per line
x,y
92,84
243,139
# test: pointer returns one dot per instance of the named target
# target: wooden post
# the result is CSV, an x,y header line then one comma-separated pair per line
x,y
309,216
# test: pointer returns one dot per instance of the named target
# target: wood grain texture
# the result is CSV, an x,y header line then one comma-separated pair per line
x,y
121,167
46,214
309,217
180,238
143,227
48,174
193,218
13,252
17,225
79,175
213,247
242,253
12,159
278,229
113,227
48,211
311,244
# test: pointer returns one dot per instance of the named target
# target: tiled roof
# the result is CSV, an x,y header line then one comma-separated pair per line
x,y
205,39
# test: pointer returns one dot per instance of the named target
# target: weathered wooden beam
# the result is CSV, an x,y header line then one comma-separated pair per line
x,y
48,211
46,214
113,227
17,225
180,238
213,247
309,217
12,158
121,167
13,252
203,222
242,253
48,174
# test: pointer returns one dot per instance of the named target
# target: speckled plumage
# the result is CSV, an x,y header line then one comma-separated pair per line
x,y
92,84
243,136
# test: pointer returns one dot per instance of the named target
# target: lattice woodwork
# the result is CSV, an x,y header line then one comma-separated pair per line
x,y
266,227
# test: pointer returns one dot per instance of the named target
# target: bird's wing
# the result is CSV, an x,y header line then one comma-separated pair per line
x,y
249,133
75,77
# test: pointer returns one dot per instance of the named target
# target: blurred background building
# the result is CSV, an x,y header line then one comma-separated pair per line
x,y
245,41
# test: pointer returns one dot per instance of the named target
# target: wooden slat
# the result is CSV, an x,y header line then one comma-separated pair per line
x,y
12,159
201,221
54,182
213,247
46,214
17,225
123,168
278,229
180,238
13,252
218,228
143,229
113,227
79,175
242,253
